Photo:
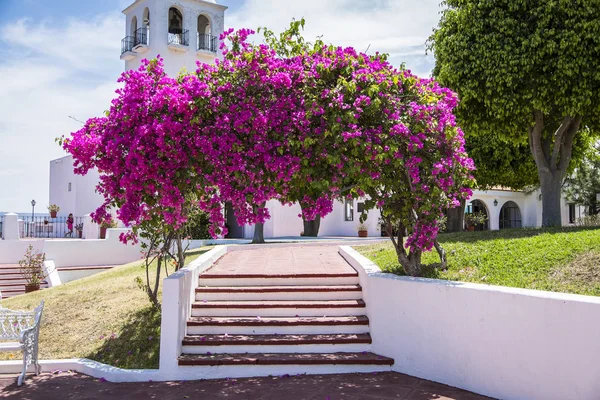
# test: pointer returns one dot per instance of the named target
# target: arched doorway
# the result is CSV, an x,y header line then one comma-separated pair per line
x,y
510,216
478,206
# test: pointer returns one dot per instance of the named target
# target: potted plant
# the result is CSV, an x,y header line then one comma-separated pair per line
x,y
474,219
53,209
363,230
104,225
79,229
32,269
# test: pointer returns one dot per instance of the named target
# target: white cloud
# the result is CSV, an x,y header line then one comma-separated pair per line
x,y
397,27
49,71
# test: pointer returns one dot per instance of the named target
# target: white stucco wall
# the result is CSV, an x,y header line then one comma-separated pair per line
x,y
11,251
74,253
285,221
82,199
527,204
158,43
502,342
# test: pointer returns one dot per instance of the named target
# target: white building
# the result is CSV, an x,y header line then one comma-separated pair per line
x,y
184,32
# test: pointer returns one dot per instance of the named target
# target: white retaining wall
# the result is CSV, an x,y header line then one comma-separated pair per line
x,y
74,252
11,251
502,342
177,298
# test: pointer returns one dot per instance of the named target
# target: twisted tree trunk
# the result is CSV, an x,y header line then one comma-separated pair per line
x,y
552,155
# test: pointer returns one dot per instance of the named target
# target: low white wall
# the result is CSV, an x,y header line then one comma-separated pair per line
x,y
52,276
73,252
177,298
502,342
11,251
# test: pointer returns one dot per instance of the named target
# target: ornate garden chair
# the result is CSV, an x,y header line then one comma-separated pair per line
x,y
23,326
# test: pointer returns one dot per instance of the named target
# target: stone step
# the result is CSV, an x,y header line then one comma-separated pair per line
x,y
280,292
305,343
361,358
274,325
15,282
278,280
279,308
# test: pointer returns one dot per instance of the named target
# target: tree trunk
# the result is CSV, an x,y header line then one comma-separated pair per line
x,y
551,186
552,154
259,237
455,218
311,228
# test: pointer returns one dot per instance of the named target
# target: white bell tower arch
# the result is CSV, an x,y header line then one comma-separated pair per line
x,y
182,32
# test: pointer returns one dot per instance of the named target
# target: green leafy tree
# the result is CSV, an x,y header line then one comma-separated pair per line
x,y
526,72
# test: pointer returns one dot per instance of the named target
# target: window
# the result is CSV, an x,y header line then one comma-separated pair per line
x,y
349,210
175,21
205,39
572,213
360,207
69,186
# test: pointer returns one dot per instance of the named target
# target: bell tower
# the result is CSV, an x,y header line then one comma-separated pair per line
x,y
181,31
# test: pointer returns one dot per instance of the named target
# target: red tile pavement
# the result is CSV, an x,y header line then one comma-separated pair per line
x,y
382,385
291,260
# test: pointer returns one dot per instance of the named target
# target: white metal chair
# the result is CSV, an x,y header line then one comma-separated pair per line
x,y
23,326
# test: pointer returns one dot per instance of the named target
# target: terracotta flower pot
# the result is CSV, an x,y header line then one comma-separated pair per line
x,y
471,228
80,234
102,233
31,288
363,233
52,214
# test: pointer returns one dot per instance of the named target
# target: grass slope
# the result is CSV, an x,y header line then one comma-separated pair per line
x,y
104,317
561,260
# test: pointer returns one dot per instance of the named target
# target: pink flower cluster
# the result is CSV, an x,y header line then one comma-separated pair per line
x,y
254,127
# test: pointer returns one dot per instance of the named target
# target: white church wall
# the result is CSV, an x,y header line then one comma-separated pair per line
x,y
82,197
175,60
61,177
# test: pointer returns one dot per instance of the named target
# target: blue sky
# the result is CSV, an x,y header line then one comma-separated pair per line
x,y
60,58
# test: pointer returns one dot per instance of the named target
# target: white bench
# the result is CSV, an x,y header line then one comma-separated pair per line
x,y
23,326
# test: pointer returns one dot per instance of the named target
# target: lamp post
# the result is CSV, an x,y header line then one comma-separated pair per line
x,y
32,209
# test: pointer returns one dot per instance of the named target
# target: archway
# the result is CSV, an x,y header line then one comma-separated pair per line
x,y
478,206
175,21
205,39
134,26
510,216
146,18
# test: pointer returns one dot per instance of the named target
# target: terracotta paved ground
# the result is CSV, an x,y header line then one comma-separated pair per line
x,y
382,385
288,260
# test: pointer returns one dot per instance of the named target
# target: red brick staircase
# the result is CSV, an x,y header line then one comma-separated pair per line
x,y
303,320
12,282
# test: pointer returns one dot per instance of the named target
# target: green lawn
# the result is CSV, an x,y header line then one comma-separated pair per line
x,y
560,260
104,317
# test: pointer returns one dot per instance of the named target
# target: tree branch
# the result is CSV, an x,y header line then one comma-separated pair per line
x,y
558,140
535,141
567,148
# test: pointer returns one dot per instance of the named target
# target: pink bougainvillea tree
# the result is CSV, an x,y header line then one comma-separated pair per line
x,y
313,125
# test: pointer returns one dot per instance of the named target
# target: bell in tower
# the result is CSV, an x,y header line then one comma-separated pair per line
x,y
182,32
